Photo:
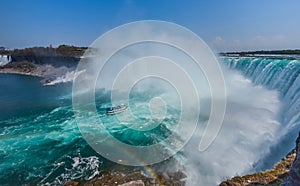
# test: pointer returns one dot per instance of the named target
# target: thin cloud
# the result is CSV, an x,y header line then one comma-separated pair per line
x,y
258,42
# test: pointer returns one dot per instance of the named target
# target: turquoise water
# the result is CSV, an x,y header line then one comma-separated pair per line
x,y
40,141
42,145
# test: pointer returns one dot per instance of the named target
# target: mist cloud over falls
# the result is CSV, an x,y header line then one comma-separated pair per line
x,y
248,131
250,124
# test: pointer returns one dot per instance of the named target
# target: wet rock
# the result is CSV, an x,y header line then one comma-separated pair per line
x,y
138,178
294,176
133,183
72,183
165,176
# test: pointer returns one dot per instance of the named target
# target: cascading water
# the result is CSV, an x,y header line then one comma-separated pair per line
x,y
253,124
4,59
249,128
281,75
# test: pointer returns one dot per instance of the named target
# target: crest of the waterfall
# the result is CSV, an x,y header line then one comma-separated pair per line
x,y
280,74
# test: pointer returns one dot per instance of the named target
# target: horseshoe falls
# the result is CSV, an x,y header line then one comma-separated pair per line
x,y
42,145
283,76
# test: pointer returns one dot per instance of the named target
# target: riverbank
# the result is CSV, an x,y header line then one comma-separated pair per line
x,y
46,62
23,68
138,178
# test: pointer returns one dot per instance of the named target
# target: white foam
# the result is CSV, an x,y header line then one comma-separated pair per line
x,y
67,77
247,133
80,168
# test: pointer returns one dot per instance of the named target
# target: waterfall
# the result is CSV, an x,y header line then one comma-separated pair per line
x,y
4,59
283,76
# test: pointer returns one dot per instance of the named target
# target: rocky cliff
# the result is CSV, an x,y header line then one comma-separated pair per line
x,y
138,178
294,176
46,62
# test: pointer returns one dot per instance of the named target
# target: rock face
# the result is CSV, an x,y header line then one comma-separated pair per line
x,y
138,178
134,183
25,68
294,176
48,63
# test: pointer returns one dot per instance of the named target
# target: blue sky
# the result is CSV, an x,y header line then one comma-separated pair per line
x,y
225,25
